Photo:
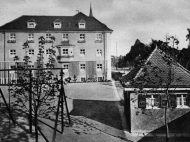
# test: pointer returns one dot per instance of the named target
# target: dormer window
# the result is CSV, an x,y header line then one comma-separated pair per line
x,y
31,23
57,23
82,24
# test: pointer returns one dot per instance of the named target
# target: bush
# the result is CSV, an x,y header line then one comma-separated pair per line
x,y
116,76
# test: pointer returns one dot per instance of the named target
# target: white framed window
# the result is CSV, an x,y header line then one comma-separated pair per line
x,y
99,67
12,53
81,37
48,36
12,36
65,37
31,37
82,67
48,52
57,24
152,101
65,52
98,52
65,67
31,24
82,25
31,52
99,37
82,52
181,100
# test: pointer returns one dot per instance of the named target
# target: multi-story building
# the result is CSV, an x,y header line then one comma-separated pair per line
x,y
83,43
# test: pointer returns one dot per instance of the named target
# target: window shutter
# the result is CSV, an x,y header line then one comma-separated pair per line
x,y
172,101
157,101
188,99
163,101
141,101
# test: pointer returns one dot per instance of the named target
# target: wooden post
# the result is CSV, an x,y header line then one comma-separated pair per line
x,y
55,126
61,93
30,103
7,106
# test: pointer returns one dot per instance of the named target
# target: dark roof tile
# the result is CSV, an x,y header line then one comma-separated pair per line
x,y
45,23
179,75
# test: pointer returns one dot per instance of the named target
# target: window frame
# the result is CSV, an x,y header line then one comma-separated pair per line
x,y
31,36
82,52
31,25
99,52
99,67
57,25
82,67
150,101
65,67
30,52
65,51
12,36
48,52
82,25
12,52
181,101
81,37
99,37
48,36
65,37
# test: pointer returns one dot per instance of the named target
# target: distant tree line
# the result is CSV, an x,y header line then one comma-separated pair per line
x,y
139,52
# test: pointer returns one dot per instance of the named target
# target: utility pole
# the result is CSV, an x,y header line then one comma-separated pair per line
x,y
116,57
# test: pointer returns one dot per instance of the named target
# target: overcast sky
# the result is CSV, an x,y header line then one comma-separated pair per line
x,y
129,19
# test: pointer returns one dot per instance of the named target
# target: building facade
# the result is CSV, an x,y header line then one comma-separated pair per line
x,y
83,44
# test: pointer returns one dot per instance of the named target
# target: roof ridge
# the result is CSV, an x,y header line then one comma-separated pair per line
x,y
146,62
176,62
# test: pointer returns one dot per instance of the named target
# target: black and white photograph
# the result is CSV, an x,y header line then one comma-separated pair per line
x,y
94,71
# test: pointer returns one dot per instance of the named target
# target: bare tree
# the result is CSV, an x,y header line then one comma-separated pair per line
x,y
155,77
36,92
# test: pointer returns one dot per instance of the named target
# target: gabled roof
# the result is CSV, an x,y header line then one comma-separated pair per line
x,y
57,20
45,23
82,21
31,20
179,75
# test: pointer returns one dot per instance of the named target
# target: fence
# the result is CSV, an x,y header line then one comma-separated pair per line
x,y
9,77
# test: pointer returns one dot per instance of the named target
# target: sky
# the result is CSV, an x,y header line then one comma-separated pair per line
x,y
129,19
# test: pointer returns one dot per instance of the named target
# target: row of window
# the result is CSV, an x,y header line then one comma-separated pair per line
x,y
82,52
65,37
66,67
12,52
57,24
82,67
152,101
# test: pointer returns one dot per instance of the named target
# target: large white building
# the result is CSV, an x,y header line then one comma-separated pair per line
x,y
83,43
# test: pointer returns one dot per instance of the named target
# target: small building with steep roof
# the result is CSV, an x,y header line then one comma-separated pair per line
x,y
149,89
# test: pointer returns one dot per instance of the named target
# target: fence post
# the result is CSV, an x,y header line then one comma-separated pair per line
x,y
30,103
61,93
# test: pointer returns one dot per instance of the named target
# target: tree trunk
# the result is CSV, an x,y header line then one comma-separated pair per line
x,y
36,125
166,124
